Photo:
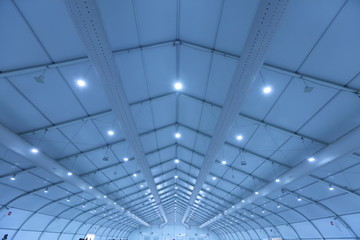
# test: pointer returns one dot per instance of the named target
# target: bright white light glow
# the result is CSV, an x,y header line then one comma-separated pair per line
x,y
277,180
126,159
135,175
141,186
208,189
13,178
223,162
176,160
176,177
110,132
177,135
257,193
267,90
34,150
239,137
178,86
105,196
278,206
214,178
81,83
331,188
299,199
69,174
46,190
90,187
243,201
176,187
68,200
311,159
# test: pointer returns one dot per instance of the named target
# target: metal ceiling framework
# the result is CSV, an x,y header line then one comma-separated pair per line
x,y
260,35
235,223
87,20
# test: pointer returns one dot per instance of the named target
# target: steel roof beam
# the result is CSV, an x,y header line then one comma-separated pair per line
x,y
261,33
88,23
345,145
18,145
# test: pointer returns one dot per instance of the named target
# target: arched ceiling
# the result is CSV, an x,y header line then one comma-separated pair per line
x,y
82,153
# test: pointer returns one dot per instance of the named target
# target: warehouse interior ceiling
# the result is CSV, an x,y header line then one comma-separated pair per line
x,y
231,119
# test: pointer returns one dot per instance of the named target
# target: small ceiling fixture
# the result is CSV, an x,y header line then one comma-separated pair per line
x,y
267,90
178,86
34,150
90,187
223,162
110,132
13,177
126,159
177,135
176,160
135,175
105,196
257,193
176,176
331,188
68,199
69,173
214,178
239,137
81,83
46,190
243,200
311,159
299,199
278,206
277,180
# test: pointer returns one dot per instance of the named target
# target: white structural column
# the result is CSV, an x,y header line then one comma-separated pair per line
x,y
87,20
347,144
18,145
263,28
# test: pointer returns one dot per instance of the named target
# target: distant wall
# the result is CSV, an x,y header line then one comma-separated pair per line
x,y
172,231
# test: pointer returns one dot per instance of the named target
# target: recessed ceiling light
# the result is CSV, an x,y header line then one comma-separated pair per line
x,y
177,135
239,137
176,187
311,159
267,90
13,177
331,188
110,132
257,193
141,186
176,160
223,162
126,159
208,189
178,86
34,150
214,178
299,199
83,205
68,199
277,180
46,190
90,187
135,175
105,196
176,176
69,174
243,201
278,206
81,83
